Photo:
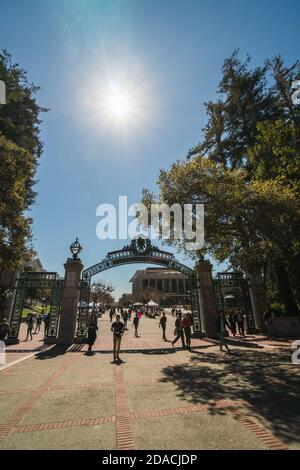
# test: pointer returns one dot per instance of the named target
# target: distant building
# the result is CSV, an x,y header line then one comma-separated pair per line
x,y
166,286
126,300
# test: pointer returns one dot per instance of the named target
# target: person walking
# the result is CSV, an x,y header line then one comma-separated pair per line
x,y
163,325
118,329
221,324
125,319
111,314
268,320
240,322
38,324
92,332
4,329
187,323
46,324
135,323
232,323
29,322
179,332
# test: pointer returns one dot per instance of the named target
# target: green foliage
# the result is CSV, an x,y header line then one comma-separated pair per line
x,y
246,171
16,177
20,148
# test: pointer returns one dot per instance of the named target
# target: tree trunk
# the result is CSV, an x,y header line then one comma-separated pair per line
x,y
286,292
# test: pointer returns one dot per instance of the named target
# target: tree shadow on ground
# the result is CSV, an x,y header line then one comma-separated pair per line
x,y
266,381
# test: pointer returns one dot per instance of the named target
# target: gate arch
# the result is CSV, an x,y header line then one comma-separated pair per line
x,y
139,251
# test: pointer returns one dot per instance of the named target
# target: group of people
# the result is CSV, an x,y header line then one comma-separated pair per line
x,y
39,319
236,321
182,330
33,327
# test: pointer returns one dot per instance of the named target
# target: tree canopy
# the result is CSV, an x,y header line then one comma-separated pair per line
x,y
246,172
20,149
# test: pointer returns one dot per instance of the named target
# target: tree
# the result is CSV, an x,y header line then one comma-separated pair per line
x,y
242,225
16,178
101,293
246,172
20,149
19,118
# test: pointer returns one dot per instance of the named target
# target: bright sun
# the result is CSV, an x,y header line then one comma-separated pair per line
x,y
118,102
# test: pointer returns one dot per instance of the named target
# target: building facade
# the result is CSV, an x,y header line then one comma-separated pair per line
x,y
165,286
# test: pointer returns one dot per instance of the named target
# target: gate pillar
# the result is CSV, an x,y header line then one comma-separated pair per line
x,y
208,309
258,298
69,302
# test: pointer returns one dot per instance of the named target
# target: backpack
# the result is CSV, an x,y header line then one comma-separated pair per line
x,y
3,330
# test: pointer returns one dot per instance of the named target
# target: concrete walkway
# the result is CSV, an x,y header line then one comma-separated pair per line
x,y
159,398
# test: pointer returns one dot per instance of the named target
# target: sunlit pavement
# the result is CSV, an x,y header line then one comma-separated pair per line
x,y
158,398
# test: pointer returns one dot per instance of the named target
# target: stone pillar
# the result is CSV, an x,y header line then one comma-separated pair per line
x,y
257,297
208,309
8,281
69,303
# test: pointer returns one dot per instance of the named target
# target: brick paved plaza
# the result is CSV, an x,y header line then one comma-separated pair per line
x,y
159,398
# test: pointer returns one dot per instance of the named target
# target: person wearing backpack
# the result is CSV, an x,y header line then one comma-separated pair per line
x,y
163,325
187,323
92,332
29,322
38,324
135,323
179,330
4,329
221,325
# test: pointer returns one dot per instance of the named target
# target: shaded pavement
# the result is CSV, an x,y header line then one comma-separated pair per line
x,y
159,397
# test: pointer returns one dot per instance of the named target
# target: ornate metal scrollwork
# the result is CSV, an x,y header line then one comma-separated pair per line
x,y
140,250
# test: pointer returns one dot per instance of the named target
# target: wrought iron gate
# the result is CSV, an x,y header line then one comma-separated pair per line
x,y
225,281
139,251
42,280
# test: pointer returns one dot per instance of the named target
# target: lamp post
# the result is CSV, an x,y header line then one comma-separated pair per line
x,y
75,249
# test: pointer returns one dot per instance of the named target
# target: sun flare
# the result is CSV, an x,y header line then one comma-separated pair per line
x,y
119,103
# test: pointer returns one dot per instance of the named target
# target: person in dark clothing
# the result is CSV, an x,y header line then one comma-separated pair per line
x,y
232,323
163,325
92,332
135,323
179,331
221,325
118,329
29,322
187,323
111,314
46,324
38,324
240,322
125,319
4,329
268,320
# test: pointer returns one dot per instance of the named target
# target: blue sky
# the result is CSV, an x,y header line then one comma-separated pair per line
x,y
168,53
